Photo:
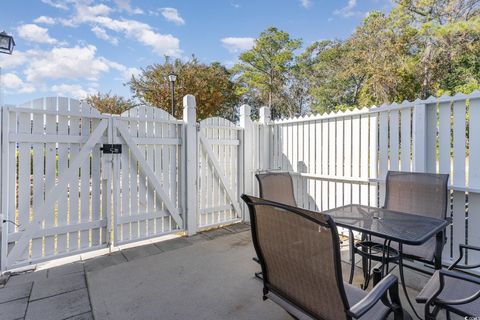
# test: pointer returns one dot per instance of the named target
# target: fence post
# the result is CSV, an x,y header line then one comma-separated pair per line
x,y
264,143
191,167
419,137
248,155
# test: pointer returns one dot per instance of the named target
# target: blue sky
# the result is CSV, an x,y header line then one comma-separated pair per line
x,y
77,47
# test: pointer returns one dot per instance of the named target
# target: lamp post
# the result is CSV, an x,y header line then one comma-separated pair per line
x,y
173,77
6,46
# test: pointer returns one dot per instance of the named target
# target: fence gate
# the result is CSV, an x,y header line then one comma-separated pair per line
x,y
147,182
51,184
219,173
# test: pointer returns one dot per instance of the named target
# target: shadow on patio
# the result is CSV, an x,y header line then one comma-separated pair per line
x,y
208,276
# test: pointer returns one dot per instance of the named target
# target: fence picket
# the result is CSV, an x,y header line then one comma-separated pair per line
x,y
458,175
50,170
394,138
62,129
474,180
364,145
37,177
406,144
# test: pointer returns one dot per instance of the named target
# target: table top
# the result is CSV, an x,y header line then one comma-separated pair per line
x,y
393,225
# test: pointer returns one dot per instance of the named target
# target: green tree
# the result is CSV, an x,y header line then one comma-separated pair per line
x,y
110,103
421,48
211,85
446,42
264,73
328,84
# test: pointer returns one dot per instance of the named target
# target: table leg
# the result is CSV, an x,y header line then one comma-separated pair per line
x,y
440,240
402,280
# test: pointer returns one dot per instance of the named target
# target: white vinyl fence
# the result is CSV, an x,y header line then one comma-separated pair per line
x,y
342,158
218,172
74,180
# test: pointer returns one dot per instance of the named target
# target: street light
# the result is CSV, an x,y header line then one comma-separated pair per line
x,y
6,46
173,77
6,43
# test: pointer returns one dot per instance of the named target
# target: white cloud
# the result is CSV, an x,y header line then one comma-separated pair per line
x,y
12,81
11,61
162,44
102,34
172,15
234,44
73,90
45,20
348,10
85,12
34,33
306,3
59,4
71,63
129,72
124,5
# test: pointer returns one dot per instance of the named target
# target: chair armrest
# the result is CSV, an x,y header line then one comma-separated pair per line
x,y
436,288
469,247
376,294
462,277
463,248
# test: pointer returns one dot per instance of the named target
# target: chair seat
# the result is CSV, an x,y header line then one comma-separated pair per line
x,y
424,251
378,312
354,294
454,289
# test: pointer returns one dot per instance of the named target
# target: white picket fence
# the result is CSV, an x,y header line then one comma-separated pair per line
x,y
62,195
342,158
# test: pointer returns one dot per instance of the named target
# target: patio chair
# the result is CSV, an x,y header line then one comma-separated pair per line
x,y
451,291
423,194
277,186
299,253
415,193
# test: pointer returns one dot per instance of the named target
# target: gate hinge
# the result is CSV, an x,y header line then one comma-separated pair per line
x,y
111,148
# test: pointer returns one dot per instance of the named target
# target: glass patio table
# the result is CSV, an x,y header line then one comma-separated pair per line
x,y
400,227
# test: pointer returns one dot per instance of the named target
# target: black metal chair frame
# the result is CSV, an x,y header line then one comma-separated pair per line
x,y
439,304
388,284
367,257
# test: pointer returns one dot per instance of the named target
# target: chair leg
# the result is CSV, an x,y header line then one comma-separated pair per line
x,y
352,258
448,315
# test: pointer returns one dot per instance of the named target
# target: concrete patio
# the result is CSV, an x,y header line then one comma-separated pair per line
x,y
208,276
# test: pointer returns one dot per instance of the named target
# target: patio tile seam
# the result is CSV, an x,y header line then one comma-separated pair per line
x,y
57,294
28,301
88,295
76,315
5,302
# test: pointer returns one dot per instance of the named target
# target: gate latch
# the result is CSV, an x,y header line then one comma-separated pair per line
x,y
111,148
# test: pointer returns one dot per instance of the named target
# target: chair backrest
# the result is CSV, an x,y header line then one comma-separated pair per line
x,y
277,186
299,253
417,193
